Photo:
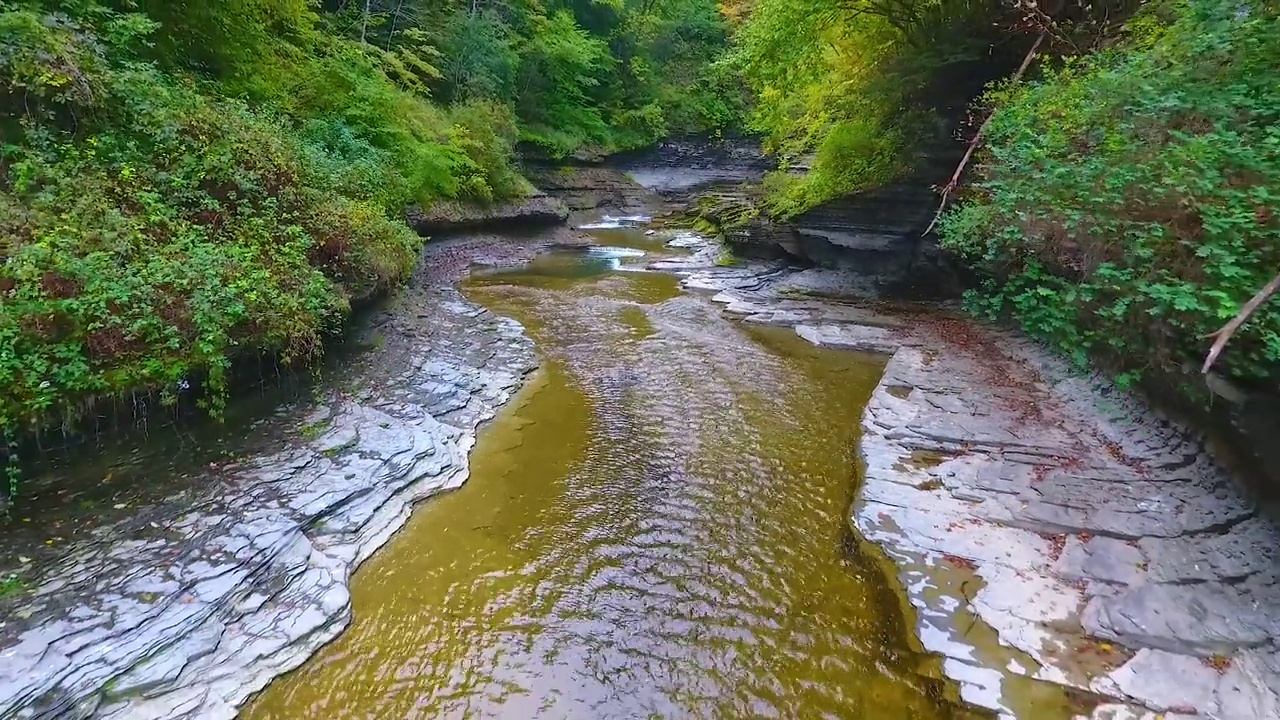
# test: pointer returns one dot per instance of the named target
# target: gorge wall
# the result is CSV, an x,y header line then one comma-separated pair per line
x,y
877,238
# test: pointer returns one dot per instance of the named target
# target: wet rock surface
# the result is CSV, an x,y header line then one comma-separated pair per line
x,y
676,169
1050,530
191,606
878,235
590,188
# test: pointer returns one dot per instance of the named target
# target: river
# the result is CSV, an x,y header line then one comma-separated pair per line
x,y
656,527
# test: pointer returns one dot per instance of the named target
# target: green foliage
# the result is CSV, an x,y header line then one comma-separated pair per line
x,y
140,259
671,66
480,57
1126,202
562,65
153,228
248,44
187,181
855,155
586,74
11,586
850,81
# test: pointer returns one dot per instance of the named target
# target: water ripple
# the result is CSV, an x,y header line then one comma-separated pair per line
x,y
658,530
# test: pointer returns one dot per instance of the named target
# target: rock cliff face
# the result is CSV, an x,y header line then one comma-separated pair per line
x,y
881,234
677,169
876,235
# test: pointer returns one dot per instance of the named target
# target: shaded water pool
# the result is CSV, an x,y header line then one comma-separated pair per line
x,y
657,527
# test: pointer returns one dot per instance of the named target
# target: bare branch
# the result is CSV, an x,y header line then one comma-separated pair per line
x,y
977,137
1224,335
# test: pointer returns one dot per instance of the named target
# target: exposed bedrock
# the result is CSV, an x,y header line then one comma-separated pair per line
x,y
191,605
529,213
878,234
875,238
677,169
1051,531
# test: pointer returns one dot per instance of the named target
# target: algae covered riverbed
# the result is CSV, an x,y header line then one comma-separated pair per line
x,y
656,527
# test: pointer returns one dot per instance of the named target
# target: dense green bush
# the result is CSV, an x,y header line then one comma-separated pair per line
x,y
1128,203
151,230
852,82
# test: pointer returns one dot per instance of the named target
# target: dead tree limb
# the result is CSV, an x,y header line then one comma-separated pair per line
x,y
977,137
1224,335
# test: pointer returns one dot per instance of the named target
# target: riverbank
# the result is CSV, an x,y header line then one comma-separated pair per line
x,y
1050,530
187,607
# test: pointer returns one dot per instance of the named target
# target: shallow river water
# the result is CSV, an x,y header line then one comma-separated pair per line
x,y
656,527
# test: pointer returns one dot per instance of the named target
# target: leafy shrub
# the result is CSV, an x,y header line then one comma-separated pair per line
x,y
855,155
1126,205
136,261
486,133
150,232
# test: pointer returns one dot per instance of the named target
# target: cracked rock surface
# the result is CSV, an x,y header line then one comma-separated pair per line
x,y
188,612
1052,532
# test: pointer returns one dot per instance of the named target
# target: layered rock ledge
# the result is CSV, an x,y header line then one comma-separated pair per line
x,y
526,214
1059,540
191,606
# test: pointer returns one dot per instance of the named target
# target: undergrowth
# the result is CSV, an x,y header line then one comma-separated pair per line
x,y
1126,202
152,230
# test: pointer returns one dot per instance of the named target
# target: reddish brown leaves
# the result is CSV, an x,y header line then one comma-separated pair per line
x,y
59,286
1057,543
1221,663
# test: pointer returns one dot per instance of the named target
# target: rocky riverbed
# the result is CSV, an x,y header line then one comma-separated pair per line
x,y
1056,539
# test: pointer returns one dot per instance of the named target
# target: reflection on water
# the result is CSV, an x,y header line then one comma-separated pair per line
x,y
572,263
657,529
614,269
